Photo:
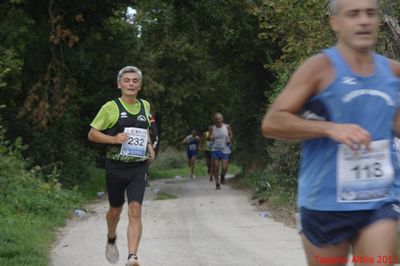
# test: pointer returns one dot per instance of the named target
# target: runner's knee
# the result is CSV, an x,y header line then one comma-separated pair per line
x,y
115,212
134,210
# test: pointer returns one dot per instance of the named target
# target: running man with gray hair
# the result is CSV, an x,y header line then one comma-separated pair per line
x,y
221,137
343,104
123,124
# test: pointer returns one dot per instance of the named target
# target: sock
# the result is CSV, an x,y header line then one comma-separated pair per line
x,y
112,240
132,255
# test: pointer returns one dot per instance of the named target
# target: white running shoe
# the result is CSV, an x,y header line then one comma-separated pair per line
x,y
132,261
112,253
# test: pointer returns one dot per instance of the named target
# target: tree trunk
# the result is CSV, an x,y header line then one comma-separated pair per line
x,y
394,29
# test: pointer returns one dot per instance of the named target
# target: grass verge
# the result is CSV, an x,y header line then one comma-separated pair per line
x,y
32,211
280,201
164,196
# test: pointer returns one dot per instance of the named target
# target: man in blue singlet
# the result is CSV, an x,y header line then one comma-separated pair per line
x,y
192,146
123,124
155,138
343,104
155,141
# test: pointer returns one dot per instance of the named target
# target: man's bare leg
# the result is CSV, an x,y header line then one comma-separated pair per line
x,y
318,256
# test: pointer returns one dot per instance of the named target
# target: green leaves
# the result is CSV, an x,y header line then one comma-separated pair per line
x,y
60,58
299,28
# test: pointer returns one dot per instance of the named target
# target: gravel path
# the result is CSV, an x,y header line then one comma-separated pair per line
x,y
202,227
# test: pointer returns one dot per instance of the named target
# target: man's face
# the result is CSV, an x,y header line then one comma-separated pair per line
x,y
129,84
219,120
356,23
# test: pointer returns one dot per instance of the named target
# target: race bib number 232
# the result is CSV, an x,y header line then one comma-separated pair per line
x,y
136,145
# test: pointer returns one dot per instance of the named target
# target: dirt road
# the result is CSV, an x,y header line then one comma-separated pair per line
x,y
202,227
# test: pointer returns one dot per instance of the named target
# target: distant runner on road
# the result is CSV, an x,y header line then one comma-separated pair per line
x,y
222,139
206,147
155,140
192,146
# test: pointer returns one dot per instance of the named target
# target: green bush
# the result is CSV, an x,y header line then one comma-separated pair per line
x,y
282,168
30,191
33,204
169,159
277,182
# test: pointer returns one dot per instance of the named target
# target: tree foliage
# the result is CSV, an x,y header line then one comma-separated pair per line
x,y
204,57
300,29
54,71
59,61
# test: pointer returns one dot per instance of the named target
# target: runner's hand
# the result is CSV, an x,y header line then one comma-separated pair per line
x,y
352,135
152,154
120,138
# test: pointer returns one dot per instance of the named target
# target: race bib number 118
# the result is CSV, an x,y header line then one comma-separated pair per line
x,y
364,175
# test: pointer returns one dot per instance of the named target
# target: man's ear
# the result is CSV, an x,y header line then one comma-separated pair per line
x,y
333,23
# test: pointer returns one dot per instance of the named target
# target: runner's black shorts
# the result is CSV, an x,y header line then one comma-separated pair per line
x,y
126,178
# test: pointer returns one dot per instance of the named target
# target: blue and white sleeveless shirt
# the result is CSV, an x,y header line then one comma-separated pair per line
x,y
332,177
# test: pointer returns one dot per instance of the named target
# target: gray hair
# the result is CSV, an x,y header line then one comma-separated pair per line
x,y
129,69
333,6
218,114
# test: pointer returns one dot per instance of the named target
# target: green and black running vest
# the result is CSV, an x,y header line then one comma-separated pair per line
x,y
207,142
126,119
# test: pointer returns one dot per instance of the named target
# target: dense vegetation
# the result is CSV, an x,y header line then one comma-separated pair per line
x,y
32,204
58,65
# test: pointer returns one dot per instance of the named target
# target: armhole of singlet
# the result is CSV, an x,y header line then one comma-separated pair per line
x,y
115,102
386,64
146,112
336,64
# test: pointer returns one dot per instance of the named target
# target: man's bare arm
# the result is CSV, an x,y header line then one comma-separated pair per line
x,y
99,137
282,122
395,66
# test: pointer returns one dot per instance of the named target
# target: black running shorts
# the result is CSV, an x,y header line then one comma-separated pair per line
x,y
125,177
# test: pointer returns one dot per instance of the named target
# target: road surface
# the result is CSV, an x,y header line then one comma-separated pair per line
x,y
201,227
